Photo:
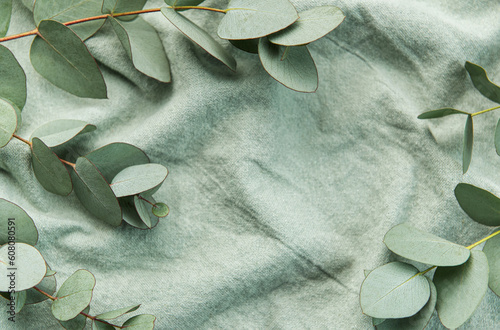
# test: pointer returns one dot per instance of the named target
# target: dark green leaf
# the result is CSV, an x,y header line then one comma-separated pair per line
x,y
28,4
77,323
96,325
249,45
144,48
19,298
138,178
114,157
460,289
57,132
393,291
423,247
200,37
161,210
482,83
13,82
250,19
49,170
8,122
24,228
94,192
481,205
297,71
183,2
441,113
70,10
140,322
122,6
131,216
497,138
5,13
492,251
28,262
312,25
63,59
468,141
47,285
74,295
118,312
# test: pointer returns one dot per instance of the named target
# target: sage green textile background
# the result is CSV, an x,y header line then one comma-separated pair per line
x,y
279,200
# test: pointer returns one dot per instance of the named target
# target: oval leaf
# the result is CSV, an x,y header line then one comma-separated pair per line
x,y
161,210
144,47
296,71
16,225
468,141
13,82
145,209
8,122
77,323
74,295
117,313
96,325
19,298
60,131
497,138
114,157
423,247
131,216
94,192
183,2
481,205
5,14
200,37
140,322
49,170
441,113
250,19
492,251
393,291
122,6
64,60
70,10
312,25
23,270
139,178
460,289
482,83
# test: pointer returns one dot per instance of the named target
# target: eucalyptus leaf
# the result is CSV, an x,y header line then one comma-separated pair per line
x,y
468,141
57,132
28,4
18,297
74,295
61,57
393,291
312,25
161,210
200,37
249,45
18,116
297,71
94,192
414,244
13,82
77,323
70,10
144,47
479,204
250,19
47,285
14,220
140,322
5,14
482,83
497,138
438,113
145,209
131,216
183,2
96,325
138,178
377,321
25,270
461,289
50,272
122,6
49,170
8,122
492,251
117,313
114,157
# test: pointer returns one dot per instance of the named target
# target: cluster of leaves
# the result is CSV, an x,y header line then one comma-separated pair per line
x,y
482,83
34,281
273,29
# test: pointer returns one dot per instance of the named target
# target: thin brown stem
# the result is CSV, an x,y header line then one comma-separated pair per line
x,y
144,199
21,139
67,163
45,293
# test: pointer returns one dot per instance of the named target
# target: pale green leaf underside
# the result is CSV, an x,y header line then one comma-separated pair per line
x,y
13,82
8,122
492,251
461,289
482,83
26,231
481,205
57,132
29,263
5,14
138,178
443,112
140,322
468,142
74,295
116,313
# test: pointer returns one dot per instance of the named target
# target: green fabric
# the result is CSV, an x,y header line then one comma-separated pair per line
x,y
278,200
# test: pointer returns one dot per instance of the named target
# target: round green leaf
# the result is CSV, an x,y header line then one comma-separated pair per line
x,y
144,47
49,170
22,226
438,113
492,251
250,19
312,25
292,66
77,323
23,270
140,322
183,2
481,205
74,295
47,285
250,45
161,210
482,83
114,157
131,216
423,247
8,122
461,289
13,82
57,132
94,192
5,14
468,141
138,178
117,313
64,60
393,291
70,10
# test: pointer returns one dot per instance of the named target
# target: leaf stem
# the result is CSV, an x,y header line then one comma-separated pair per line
x,y
45,293
484,111
144,199
21,139
68,163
